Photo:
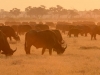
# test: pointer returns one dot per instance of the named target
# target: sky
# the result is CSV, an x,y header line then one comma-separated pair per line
x,y
68,4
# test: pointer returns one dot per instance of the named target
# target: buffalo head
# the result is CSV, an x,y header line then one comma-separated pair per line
x,y
9,53
60,49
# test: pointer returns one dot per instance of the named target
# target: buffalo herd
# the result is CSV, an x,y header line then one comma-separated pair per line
x,y
45,36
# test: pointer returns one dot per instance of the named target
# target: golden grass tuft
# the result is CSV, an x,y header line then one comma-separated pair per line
x,y
89,47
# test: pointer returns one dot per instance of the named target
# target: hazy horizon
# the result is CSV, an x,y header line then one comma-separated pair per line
x,y
68,4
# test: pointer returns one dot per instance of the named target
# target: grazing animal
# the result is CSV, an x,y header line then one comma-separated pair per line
x,y
4,45
85,29
63,26
46,39
74,31
41,27
9,32
94,31
15,27
59,36
22,29
51,24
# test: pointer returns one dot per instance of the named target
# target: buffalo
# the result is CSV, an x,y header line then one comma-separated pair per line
x,y
41,27
4,45
75,32
45,39
59,36
22,29
51,24
63,26
9,32
15,27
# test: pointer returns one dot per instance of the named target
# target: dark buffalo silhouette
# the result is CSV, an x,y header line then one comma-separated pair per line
x,y
41,27
4,45
75,32
12,23
63,26
51,24
59,36
15,27
94,31
32,24
25,23
46,39
84,25
9,32
22,29
1,24
86,29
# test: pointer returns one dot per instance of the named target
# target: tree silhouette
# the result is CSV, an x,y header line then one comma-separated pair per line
x,y
38,12
73,13
3,13
57,11
96,12
29,11
15,12
88,14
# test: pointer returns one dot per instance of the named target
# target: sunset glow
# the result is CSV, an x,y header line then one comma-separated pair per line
x,y
68,4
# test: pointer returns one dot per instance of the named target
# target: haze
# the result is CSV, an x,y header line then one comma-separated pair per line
x,y
68,4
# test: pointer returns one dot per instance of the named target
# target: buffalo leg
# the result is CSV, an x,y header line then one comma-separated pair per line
x,y
69,34
95,36
27,49
43,50
91,36
85,34
81,34
76,35
50,51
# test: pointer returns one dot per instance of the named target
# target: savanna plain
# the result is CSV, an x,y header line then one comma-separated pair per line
x,y
82,57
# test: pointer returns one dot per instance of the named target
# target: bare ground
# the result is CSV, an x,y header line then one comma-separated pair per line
x,y
82,57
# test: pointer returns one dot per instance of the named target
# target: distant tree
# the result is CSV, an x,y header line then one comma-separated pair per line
x,y
15,12
52,12
96,12
73,13
88,14
58,11
3,13
38,12
29,11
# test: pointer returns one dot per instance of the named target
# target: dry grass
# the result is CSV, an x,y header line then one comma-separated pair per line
x,y
82,57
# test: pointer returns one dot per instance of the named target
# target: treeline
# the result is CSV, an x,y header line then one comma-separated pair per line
x,y
57,13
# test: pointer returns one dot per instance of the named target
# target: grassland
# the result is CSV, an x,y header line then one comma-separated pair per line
x,y
82,57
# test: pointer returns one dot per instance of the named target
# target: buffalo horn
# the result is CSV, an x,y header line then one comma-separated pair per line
x,y
63,42
14,50
66,46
